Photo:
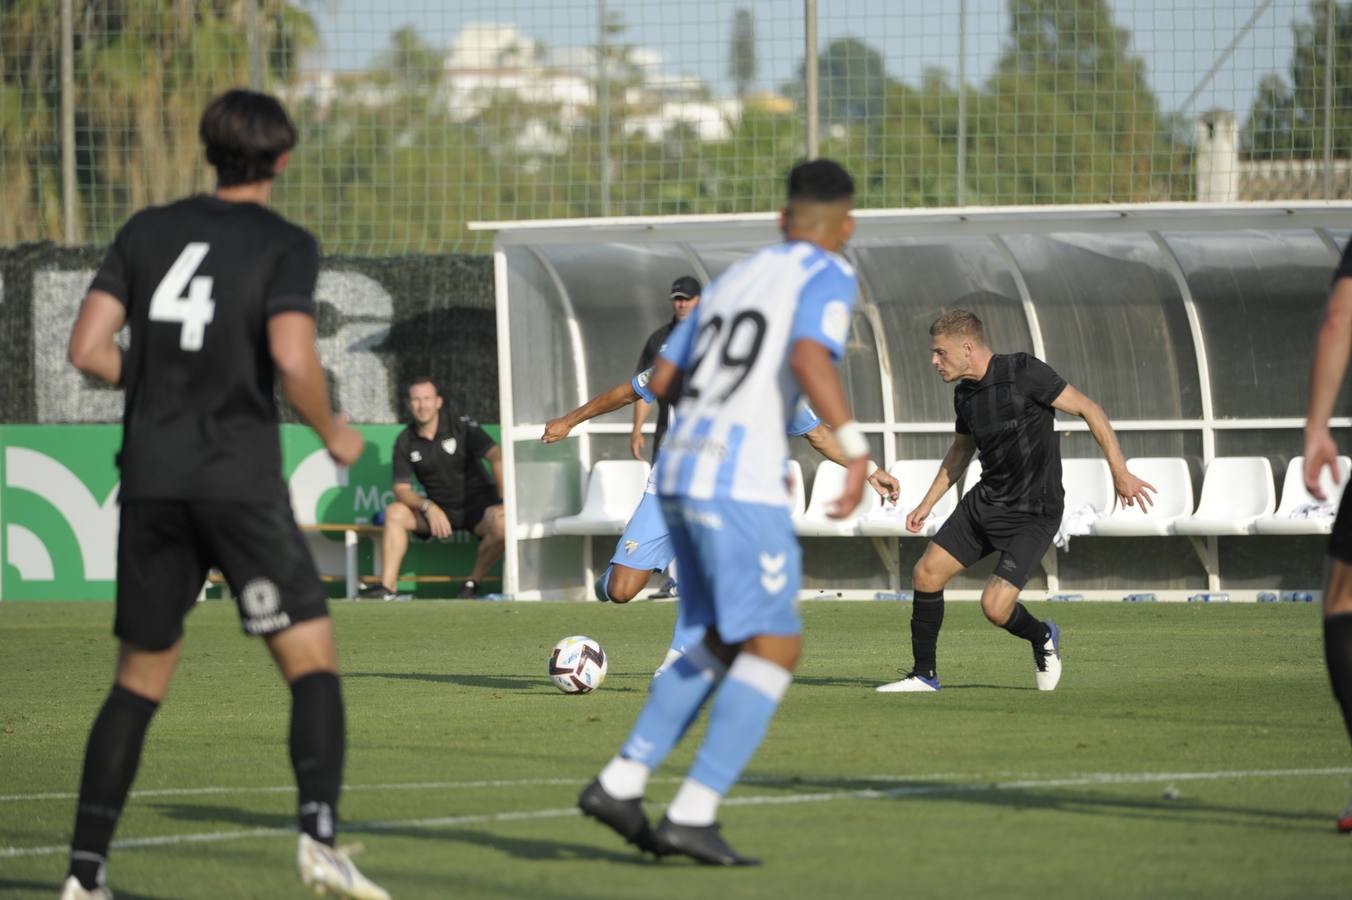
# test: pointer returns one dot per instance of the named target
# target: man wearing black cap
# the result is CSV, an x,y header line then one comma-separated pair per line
x,y
684,298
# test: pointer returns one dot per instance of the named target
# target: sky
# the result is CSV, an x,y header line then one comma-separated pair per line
x,y
1178,39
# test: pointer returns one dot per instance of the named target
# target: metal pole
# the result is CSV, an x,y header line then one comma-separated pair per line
x,y
811,85
962,103
68,120
1328,102
255,50
603,102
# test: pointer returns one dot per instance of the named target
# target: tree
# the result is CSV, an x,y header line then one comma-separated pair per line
x,y
1286,121
853,82
742,53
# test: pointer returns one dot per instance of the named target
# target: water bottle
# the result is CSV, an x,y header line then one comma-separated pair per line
x,y
902,596
1140,598
1267,597
1066,598
1210,597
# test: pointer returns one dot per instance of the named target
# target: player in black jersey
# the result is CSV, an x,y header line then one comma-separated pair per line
x,y
1326,379
1004,405
218,292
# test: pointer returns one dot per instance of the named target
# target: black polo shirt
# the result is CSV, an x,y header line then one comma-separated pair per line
x,y
1009,415
448,466
646,360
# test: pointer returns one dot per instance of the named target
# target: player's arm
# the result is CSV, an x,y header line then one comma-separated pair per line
x,y
93,348
1131,491
824,443
951,469
641,409
619,396
494,457
291,342
815,370
1332,346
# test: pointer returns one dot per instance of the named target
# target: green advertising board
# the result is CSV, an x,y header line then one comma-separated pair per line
x,y
58,509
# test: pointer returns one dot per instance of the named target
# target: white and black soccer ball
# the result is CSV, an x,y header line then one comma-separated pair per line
x,y
577,665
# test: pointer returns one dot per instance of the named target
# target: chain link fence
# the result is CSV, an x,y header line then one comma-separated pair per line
x,y
418,116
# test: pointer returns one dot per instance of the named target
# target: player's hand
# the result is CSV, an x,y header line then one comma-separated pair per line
x,y
345,443
636,445
1320,451
887,487
915,520
437,521
856,473
556,430
1132,491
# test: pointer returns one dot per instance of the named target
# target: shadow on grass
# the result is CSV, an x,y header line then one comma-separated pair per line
x,y
13,887
517,847
525,684
232,815
1083,801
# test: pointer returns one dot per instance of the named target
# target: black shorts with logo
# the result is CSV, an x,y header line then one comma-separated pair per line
x,y
1340,541
165,547
977,529
466,518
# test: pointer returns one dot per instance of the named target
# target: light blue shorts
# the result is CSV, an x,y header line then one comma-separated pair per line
x,y
645,543
740,566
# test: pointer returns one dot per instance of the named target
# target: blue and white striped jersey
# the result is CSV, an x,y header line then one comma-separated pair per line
x,y
739,395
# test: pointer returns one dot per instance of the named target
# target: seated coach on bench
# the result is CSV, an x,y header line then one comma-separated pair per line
x,y
446,453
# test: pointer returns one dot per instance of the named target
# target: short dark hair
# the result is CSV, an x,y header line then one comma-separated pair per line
x,y
960,323
820,181
422,379
245,132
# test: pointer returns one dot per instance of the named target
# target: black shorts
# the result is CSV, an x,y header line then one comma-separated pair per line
x,y
1340,541
165,547
463,518
977,529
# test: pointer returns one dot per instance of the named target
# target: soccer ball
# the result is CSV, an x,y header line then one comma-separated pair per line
x,y
577,665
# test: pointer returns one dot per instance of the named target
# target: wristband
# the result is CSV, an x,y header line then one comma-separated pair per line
x,y
850,438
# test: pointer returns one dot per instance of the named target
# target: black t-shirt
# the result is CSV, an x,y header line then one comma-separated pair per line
x,y
447,466
200,279
646,360
1345,264
1009,415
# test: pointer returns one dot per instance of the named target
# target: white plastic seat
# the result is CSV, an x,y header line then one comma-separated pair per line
x,y
613,492
797,492
972,475
1088,482
1295,495
1173,499
915,476
826,489
1236,492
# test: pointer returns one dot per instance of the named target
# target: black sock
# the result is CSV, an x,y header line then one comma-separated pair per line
x,y
1022,624
927,617
317,744
1338,658
111,758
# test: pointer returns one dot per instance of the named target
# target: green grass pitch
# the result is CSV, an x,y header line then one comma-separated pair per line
x,y
1191,751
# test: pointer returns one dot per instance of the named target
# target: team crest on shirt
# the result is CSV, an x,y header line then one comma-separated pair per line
x,y
836,320
630,546
415,456
449,446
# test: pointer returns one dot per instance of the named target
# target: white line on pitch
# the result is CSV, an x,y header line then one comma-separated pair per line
x,y
1100,778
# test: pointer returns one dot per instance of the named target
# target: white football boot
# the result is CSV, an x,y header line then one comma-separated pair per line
x,y
913,683
1047,659
328,870
71,889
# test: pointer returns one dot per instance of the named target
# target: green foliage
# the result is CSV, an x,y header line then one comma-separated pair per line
x,y
1287,121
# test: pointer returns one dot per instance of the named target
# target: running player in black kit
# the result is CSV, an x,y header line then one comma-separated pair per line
x,y
219,294
1004,405
1333,344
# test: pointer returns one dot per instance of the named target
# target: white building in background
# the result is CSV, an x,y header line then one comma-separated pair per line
x,y
1222,177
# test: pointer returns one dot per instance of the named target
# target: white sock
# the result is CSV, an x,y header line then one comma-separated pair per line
x,y
625,779
694,804
671,657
